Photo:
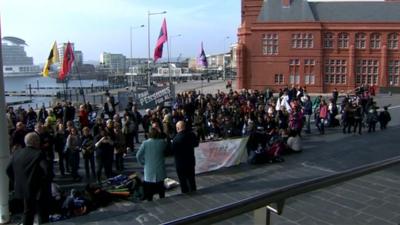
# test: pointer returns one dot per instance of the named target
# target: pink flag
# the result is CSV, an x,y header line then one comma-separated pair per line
x,y
161,40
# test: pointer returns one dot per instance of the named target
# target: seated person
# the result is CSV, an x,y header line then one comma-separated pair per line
x,y
293,142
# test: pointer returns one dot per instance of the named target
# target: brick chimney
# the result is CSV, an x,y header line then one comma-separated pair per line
x,y
286,3
251,10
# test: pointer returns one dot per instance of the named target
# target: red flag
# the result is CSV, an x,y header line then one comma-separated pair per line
x,y
67,62
161,40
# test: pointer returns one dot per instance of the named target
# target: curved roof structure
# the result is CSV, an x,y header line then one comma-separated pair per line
x,y
15,40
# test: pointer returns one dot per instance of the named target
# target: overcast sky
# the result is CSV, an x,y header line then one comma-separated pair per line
x,y
103,25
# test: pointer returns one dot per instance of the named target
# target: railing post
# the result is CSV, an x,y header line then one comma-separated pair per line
x,y
268,217
260,217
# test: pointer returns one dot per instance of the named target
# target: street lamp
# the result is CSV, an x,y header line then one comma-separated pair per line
x,y
148,44
171,53
130,62
224,69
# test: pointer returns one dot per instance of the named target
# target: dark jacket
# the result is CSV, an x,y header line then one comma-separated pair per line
x,y
29,171
17,139
183,149
308,108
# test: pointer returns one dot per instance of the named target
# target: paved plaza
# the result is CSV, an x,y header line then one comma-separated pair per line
x,y
373,199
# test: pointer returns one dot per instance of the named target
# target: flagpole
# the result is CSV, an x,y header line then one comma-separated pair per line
x,y
169,63
148,50
148,44
80,83
4,151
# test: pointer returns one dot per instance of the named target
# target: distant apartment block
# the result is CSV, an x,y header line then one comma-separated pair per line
x,y
115,63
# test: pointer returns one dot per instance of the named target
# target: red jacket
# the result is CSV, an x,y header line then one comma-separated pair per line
x,y
84,118
323,111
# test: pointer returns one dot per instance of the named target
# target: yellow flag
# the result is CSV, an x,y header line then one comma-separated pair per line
x,y
53,58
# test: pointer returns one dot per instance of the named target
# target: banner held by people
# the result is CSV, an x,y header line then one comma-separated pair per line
x,y
215,155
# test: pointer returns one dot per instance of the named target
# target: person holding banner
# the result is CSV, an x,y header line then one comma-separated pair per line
x,y
183,148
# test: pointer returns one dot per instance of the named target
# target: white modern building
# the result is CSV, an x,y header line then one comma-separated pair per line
x,y
115,62
15,60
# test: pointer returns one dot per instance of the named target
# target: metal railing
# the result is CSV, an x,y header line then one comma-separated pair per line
x,y
280,195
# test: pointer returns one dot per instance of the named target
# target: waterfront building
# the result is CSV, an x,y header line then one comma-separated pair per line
x,y
115,63
61,49
320,45
78,58
136,65
15,60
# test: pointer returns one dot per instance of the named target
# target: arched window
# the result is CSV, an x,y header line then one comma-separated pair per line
x,y
393,41
361,39
343,40
375,41
328,40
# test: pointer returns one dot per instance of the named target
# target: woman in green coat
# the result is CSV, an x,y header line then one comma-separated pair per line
x,y
151,156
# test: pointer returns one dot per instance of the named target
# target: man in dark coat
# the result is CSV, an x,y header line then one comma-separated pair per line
x,y
69,113
58,111
17,138
183,148
28,170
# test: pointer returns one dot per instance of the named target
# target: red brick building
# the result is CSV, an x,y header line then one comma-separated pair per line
x,y
320,45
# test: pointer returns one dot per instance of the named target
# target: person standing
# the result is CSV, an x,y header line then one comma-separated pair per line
x,y
46,144
307,111
109,108
74,146
323,115
151,156
60,138
87,147
335,96
183,148
384,118
17,137
104,154
29,171
372,119
357,118
119,148
83,116
137,119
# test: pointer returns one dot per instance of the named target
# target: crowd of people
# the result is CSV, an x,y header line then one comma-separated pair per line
x,y
274,123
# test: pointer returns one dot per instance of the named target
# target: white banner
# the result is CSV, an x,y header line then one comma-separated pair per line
x,y
215,155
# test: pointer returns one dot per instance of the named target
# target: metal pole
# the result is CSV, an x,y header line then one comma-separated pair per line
x,y
169,62
130,61
148,44
224,69
4,150
148,49
268,218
